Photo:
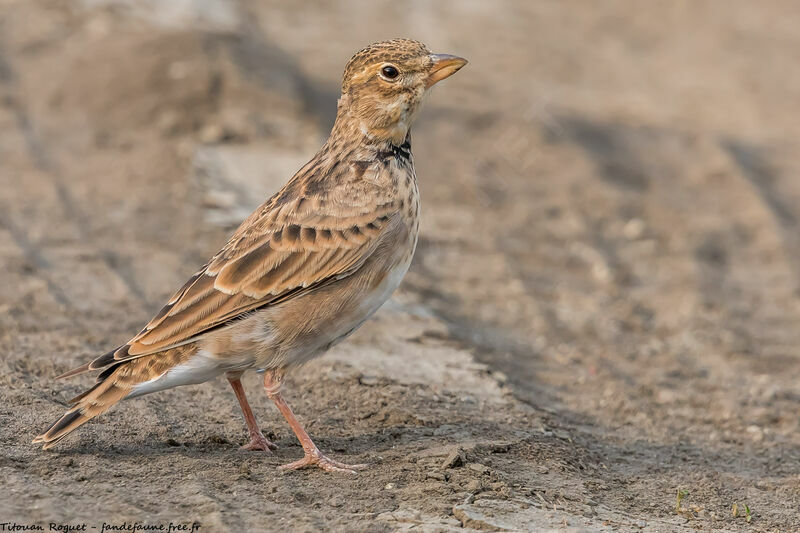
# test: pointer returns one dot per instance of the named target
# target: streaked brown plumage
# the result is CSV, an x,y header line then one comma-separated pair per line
x,y
304,270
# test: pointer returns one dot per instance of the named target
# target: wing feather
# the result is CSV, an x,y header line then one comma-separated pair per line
x,y
264,262
307,235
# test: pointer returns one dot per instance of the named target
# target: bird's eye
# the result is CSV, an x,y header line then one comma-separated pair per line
x,y
389,72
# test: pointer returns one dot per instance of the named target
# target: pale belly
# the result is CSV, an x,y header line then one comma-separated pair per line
x,y
371,302
305,327
328,323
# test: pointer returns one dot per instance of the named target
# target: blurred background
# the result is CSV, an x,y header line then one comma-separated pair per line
x,y
611,216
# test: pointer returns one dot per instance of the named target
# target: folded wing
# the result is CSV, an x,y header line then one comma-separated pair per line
x,y
283,249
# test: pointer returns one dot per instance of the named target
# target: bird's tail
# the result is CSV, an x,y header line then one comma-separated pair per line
x,y
108,390
115,383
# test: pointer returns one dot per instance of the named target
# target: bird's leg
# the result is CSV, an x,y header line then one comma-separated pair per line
x,y
312,457
257,439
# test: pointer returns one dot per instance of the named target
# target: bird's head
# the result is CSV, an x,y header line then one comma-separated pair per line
x,y
384,85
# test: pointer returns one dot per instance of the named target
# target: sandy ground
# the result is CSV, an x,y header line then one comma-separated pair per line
x,y
603,312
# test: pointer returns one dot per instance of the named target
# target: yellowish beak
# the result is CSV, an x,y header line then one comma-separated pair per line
x,y
444,66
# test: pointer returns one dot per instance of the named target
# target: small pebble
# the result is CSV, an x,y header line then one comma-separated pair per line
x,y
455,459
369,381
212,134
479,468
498,486
634,228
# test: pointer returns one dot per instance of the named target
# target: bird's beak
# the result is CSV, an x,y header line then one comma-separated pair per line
x,y
444,66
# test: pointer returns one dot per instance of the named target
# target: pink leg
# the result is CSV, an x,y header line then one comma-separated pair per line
x,y
257,440
312,456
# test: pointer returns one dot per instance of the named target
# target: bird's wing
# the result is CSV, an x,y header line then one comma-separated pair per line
x,y
293,243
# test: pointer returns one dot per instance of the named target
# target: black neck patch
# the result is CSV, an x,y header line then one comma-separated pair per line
x,y
402,152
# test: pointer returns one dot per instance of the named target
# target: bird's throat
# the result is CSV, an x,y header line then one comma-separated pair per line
x,y
375,124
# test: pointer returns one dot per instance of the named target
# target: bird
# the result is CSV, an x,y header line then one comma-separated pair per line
x,y
303,271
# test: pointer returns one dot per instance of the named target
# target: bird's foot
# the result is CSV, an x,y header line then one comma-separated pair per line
x,y
315,458
259,442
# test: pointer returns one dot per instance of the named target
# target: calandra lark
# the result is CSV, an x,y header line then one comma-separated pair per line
x,y
304,271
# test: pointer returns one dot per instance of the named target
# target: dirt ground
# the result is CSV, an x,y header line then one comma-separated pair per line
x,y
600,329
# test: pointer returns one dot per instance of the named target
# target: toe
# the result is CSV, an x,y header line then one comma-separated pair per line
x,y
319,460
260,443
330,467
296,465
346,466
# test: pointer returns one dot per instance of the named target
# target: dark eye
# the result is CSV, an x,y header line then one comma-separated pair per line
x,y
390,72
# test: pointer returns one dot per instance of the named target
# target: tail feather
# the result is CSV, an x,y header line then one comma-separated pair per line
x,y
86,406
94,364
60,428
113,385
100,380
